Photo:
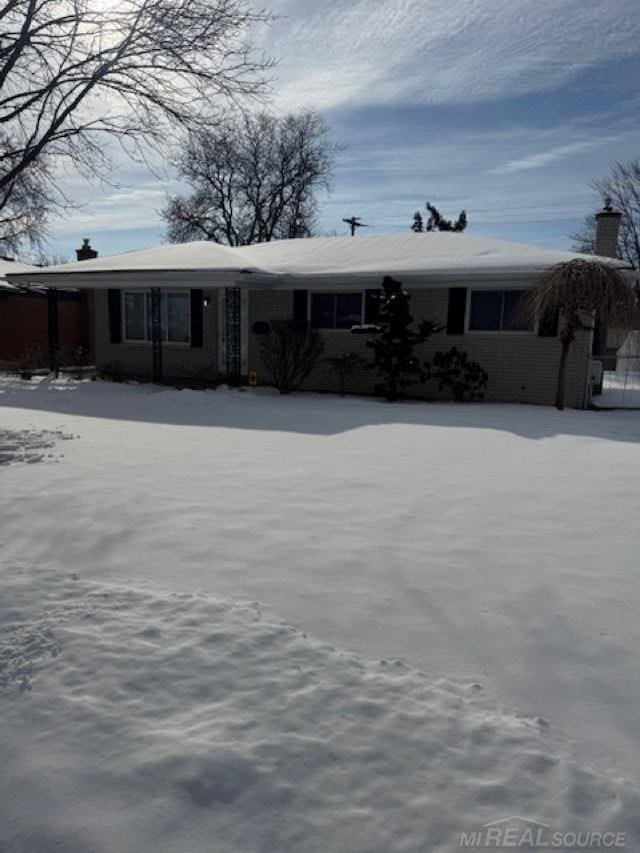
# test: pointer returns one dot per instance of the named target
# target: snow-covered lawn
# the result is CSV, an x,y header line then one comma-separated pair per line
x,y
235,622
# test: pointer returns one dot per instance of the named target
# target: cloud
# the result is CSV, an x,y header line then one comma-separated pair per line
x,y
520,181
335,52
138,205
544,158
505,107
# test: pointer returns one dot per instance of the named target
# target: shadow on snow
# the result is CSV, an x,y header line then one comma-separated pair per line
x,y
310,413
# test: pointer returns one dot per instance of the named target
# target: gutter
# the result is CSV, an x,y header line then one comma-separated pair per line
x,y
106,279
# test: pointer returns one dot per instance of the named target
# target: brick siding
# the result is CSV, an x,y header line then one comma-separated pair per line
x,y
24,325
522,368
180,362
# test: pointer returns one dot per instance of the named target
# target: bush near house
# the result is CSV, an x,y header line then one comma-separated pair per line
x,y
344,366
290,352
454,371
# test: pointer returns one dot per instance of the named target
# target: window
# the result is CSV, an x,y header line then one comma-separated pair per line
x,y
336,310
174,316
495,311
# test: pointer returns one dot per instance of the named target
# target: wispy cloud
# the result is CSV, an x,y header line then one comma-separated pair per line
x,y
508,108
544,158
399,51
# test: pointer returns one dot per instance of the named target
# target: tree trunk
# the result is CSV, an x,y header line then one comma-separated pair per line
x,y
566,339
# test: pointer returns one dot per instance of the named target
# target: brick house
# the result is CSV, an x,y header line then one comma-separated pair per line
x,y
214,304
25,318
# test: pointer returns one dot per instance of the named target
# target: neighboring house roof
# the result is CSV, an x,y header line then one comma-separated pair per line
x,y
406,256
12,266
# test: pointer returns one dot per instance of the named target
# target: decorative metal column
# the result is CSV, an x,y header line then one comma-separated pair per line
x,y
156,335
233,334
52,328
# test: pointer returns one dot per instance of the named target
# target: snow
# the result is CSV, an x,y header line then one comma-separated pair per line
x,y
438,253
620,388
198,254
285,262
29,445
12,266
182,721
236,621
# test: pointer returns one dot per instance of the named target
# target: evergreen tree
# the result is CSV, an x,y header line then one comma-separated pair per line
x,y
393,358
437,222
417,224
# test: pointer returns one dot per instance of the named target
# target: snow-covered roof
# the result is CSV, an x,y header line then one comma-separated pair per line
x,y
197,255
432,254
12,266
284,262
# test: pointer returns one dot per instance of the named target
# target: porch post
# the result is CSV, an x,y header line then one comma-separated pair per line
x,y
233,359
53,330
156,336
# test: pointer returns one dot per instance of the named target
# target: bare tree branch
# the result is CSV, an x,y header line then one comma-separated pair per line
x,y
622,185
254,179
73,74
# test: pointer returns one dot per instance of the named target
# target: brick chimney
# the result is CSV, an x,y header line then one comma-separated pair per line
x,y
606,245
85,252
607,230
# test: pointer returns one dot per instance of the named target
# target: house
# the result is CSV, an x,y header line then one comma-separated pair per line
x,y
213,303
26,318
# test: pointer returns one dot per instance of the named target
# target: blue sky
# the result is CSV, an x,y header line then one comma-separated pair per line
x,y
507,108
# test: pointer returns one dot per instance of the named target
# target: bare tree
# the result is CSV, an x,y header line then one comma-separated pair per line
x,y
622,185
254,179
584,240
290,353
579,290
42,259
23,215
343,366
73,73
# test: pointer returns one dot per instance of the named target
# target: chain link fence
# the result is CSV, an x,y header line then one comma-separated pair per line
x,y
615,381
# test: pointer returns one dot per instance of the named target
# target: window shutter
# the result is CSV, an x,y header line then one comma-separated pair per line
x,y
115,316
300,308
196,318
457,310
371,307
548,323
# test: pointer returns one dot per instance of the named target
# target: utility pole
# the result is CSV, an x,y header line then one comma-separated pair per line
x,y
354,222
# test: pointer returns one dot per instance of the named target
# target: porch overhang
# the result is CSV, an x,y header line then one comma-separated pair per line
x,y
176,279
210,279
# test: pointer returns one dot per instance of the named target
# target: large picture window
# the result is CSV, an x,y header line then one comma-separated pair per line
x,y
336,310
496,311
174,316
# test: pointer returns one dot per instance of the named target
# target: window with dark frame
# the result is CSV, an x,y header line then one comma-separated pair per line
x,y
175,319
336,310
496,311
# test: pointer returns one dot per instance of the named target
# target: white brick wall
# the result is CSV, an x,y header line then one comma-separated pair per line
x,y
180,362
522,367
